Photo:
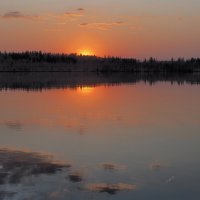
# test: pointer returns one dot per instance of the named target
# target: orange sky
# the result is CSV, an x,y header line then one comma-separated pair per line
x,y
162,29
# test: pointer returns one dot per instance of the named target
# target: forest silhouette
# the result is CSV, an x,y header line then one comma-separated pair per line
x,y
38,61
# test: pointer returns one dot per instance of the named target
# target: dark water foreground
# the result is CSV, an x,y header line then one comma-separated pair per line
x,y
126,138
20,170
48,80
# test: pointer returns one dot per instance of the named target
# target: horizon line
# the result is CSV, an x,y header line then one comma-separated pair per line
x,y
93,55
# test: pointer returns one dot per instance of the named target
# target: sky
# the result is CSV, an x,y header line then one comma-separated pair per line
x,y
127,28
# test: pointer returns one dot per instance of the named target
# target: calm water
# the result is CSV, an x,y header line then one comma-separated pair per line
x,y
118,142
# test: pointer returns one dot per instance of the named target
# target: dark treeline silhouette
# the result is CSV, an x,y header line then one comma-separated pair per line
x,y
50,80
38,61
37,57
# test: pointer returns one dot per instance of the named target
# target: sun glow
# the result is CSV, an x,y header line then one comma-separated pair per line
x,y
86,52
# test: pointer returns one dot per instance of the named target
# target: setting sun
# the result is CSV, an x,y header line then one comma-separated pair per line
x,y
86,52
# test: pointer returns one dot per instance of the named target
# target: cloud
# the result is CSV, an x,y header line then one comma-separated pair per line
x,y
43,17
18,15
62,18
15,125
81,9
102,25
13,14
84,24
73,14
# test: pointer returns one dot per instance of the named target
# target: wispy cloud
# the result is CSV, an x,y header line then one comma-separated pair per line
x,y
102,25
73,15
14,125
13,14
18,15
62,18
80,9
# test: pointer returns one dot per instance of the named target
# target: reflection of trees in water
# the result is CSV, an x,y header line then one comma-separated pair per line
x,y
47,80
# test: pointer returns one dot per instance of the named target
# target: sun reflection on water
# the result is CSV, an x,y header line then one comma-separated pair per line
x,y
86,90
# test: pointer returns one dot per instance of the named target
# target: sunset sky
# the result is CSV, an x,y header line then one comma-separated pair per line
x,y
127,28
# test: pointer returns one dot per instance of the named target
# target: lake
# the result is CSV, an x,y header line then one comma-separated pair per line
x,y
129,141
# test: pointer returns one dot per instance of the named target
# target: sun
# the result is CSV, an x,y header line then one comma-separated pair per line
x,y
86,52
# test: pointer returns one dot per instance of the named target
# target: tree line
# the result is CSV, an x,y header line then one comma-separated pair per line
x,y
39,61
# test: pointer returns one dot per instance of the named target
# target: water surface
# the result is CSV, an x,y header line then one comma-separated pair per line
x,y
105,142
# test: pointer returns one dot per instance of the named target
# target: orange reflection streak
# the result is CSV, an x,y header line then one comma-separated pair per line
x,y
86,90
